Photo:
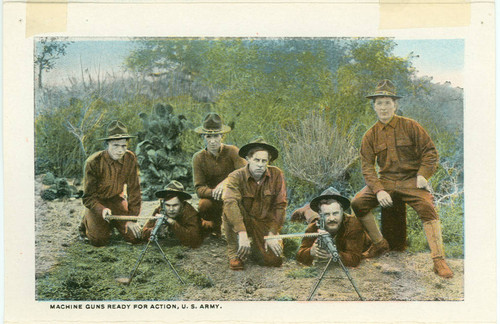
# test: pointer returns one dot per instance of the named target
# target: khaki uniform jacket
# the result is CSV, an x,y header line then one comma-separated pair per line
x,y
402,149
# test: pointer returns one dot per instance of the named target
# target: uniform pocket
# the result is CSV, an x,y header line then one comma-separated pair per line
x,y
406,149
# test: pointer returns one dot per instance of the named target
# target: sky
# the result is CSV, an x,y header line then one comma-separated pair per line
x,y
442,59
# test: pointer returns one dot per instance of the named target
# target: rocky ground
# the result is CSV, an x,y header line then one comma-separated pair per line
x,y
394,276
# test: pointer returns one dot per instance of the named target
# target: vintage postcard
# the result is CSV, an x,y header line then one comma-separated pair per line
x,y
249,162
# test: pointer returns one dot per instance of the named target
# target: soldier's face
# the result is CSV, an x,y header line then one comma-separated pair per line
x,y
173,207
385,107
257,163
117,148
333,215
213,142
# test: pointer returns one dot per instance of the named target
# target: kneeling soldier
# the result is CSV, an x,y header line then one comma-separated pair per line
x,y
181,218
347,231
254,206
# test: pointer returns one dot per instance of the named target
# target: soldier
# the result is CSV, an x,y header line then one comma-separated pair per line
x,y
211,167
182,219
407,158
350,238
254,206
111,186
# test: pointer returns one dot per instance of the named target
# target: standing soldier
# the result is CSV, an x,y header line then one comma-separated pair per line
x,y
254,206
111,186
211,167
406,157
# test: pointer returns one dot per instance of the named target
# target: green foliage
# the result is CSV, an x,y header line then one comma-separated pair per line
x,y
291,245
89,273
48,179
304,272
159,153
47,51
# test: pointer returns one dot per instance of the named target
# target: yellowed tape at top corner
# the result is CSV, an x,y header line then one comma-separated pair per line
x,y
46,17
400,14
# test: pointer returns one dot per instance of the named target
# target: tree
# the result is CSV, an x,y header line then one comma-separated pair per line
x,y
48,50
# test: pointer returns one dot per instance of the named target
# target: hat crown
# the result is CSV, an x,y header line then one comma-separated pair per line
x,y
385,87
330,191
175,186
212,122
116,129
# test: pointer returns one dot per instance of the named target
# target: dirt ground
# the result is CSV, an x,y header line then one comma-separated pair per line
x,y
394,276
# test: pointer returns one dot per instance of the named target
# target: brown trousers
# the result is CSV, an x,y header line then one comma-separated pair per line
x,y
211,210
99,231
256,232
394,218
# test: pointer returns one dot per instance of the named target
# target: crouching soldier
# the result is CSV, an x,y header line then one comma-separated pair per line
x,y
111,186
181,219
346,230
254,207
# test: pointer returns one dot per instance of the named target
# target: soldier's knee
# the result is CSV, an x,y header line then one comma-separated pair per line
x,y
204,205
357,207
98,242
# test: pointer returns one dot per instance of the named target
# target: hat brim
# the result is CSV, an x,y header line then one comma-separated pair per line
x,y
344,202
181,194
375,95
119,137
201,130
243,152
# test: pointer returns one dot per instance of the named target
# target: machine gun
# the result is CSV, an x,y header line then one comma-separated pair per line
x,y
153,238
326,242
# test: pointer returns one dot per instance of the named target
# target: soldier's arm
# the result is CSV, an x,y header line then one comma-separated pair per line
x,y
304,253
199,179
351,256
367,155
232,198
188,233
90,185
134,188
428,153
279,206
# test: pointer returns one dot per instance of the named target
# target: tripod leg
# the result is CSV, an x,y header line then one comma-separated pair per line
x,y
350,279
316,285
139,260
169,264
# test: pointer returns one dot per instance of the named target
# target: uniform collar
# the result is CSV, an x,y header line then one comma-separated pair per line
x,y
392,123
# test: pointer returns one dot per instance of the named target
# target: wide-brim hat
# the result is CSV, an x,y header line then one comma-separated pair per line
x,y
385,88
330,193
116,130
212,124
259,142
173,188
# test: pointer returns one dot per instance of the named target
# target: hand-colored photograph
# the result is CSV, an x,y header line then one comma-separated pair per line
x,y
249,169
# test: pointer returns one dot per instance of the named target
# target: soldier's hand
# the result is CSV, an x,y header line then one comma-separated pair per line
x,y
276,246
422,183
206,224
384,198
243,245
169,220
106,212
135,229
217,191
318,253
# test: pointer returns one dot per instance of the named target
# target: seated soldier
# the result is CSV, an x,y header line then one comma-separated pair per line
x,y
182,219
347,231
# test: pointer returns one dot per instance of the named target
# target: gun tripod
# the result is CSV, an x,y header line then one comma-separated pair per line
x,y
152,238
328,243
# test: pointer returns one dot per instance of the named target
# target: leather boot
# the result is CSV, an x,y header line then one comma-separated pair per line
x,y
236,264
432,231
371,227
376,249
